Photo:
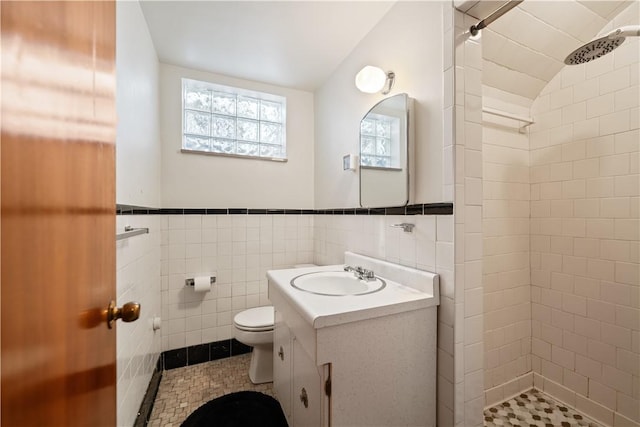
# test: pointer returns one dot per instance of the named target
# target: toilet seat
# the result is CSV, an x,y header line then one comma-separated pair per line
x,y
258,319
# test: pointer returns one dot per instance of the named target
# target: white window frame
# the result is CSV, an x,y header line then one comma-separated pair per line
x,y
235,141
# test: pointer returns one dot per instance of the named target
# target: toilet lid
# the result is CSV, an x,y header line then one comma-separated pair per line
x,y
255,319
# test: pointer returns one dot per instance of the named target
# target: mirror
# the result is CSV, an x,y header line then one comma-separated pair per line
x,y
385,153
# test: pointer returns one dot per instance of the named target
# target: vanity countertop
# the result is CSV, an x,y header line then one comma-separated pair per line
x,y
322,311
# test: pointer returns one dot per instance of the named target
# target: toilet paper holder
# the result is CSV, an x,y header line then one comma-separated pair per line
x,y
191,282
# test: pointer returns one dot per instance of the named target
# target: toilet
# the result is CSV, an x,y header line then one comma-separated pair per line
x,y
254,327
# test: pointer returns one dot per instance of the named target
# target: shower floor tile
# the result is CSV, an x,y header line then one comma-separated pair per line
x,y
535,409
183,390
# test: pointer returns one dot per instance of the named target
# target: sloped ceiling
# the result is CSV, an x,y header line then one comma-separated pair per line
x,y
297,44
526,47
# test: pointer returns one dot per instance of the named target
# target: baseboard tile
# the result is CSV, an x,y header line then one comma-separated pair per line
x,y
506,391
590,408
144,413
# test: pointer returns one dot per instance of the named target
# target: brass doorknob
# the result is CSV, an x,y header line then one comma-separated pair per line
x,y
128,313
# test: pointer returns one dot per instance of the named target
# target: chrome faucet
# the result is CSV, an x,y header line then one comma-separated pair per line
x,y
361,273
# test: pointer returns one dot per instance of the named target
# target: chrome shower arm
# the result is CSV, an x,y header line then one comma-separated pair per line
x,y
495,15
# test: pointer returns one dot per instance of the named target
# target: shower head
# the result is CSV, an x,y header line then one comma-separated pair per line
x,y
599,47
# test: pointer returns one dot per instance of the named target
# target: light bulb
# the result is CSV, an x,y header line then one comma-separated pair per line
x,y
371,79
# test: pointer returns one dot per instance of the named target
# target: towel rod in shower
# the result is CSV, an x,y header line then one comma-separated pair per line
x,y
526,120
130,232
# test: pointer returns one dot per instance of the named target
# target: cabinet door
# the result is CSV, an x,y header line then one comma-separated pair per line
x,y
307,395
282,356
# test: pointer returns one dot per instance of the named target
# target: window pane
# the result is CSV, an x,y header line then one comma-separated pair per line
x,y
367,127
223,146
383,128
197,99
224,103
368,145
228,120
196,143
382,147
248,107
270,151
248,149
248,130
197,123
224,127
270,133
365,161
382,162
270,111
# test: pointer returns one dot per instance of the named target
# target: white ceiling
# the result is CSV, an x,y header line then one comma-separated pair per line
x,y
299,44
296,44
526,47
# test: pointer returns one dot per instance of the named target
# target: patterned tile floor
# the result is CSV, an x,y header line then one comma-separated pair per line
x,y
534,409
183,390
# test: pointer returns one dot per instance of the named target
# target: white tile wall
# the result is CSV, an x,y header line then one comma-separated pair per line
x,y
506,249
238,249
584,235
428,247
468,228
137,344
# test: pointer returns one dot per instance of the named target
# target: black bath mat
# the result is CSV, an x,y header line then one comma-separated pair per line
x,y
241,409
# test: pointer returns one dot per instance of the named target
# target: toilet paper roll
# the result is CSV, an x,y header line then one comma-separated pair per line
x,y
202,284
157,322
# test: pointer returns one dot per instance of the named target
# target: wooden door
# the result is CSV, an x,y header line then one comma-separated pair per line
x,y
57,213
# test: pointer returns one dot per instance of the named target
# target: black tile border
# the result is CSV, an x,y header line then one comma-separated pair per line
x,y
417,209
146,407
196,354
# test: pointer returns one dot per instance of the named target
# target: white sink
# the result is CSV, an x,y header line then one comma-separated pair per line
x,y
336,283
326,296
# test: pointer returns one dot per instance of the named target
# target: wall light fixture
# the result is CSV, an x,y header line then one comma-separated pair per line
x,y
372,79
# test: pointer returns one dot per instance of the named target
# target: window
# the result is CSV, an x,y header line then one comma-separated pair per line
x,y
231,121
378,141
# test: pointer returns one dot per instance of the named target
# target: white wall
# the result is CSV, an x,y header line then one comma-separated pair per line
x,y
138,183
408,41
202,181
137,102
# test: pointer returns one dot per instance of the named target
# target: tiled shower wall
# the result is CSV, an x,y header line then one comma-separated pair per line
x,y
138,345
466,146
585,211
238,250
506,273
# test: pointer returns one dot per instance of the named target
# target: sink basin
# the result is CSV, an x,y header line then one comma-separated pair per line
x,y
336,283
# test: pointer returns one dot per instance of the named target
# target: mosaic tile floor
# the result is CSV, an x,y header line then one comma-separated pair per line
x,y
534,409
183,390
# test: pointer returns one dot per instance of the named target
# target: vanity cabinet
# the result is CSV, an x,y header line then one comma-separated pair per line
x,y
282,356
297,381
308,395
356,361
